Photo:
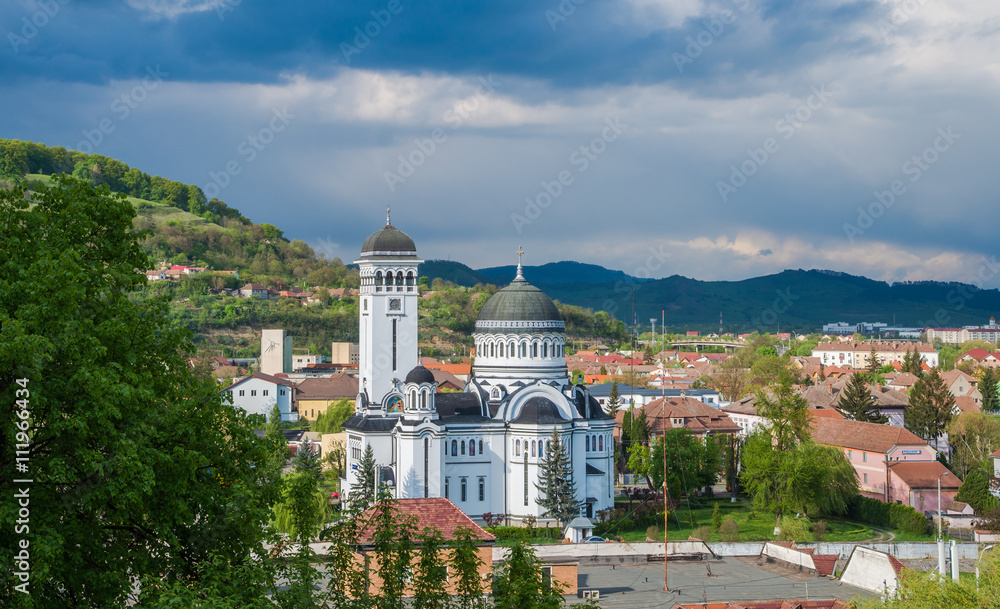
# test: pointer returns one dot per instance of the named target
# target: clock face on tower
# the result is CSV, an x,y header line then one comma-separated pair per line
x,y
395,304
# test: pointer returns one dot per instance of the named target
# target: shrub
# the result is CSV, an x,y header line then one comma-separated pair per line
x,y
819,530
524,533
653,532
888,515
703,533
729,531
794,529
716,517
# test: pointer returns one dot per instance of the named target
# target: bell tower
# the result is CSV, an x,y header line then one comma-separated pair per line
x,y
388,316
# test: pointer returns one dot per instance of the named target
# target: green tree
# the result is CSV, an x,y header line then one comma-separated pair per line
x,y
141,472
973,437
874,364
691,463
988,380
331,420
614,400
430,577
13,159
363,492
716,517
519,582
393,544
858,403
975,491
276,439
556,485
465,564
930,408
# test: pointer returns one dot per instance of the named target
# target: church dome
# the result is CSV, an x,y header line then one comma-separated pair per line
x,y
388,241
517,304
539,411
419,375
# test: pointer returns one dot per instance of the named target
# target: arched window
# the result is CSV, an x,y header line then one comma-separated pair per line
x,y
510,349
482,489
532,448
472,448
454,448
423,400
517,447
501,349
541,449
463,447
409,278
378,278
600,442
593,442
545,349
587,442
480,447
493,350
524,349
399,278
495,394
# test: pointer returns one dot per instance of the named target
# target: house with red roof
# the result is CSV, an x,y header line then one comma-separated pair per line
x,y
436,513
871,449
677,412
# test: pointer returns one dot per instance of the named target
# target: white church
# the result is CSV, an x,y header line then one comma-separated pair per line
x,y
483,448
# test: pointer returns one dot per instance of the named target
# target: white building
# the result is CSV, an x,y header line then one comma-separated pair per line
x,y
259,392
481,448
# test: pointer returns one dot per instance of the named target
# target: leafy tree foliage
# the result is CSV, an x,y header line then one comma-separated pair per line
x,y
519,582
331,420
731,379
140,470
858,403
556,485
691,463
973,437
930,407
975,491
614,400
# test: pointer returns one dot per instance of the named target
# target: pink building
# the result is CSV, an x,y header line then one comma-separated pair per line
x,y
916,484
874,450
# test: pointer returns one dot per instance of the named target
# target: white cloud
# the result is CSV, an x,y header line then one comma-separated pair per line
x,y
171,9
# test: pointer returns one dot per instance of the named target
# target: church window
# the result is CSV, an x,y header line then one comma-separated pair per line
x,y
472,448
510,350
525,477
480,447
447,483
388,278
378,278
493,350
463,448
532,448
409,278
495,394
465,484
587,443
482,489
593,442
454,448
545,349
523,350
501,349
600,442
541,449
517,447
534,349
423,400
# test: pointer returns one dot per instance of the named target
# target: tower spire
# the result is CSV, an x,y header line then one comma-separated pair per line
x,y
520,270
387,222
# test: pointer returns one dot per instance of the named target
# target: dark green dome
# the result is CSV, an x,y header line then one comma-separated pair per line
x,y
388,241
520,302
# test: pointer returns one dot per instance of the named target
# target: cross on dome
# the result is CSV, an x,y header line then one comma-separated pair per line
x,y
387,222
520,270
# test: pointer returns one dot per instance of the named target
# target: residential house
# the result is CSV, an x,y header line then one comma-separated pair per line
x,y
871,449
258,291
982,357
915,484
156,275
436,513
259,393
315,395
672,413
856,354
961,384
447,381
643,395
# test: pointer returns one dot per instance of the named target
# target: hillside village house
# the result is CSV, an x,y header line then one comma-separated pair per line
x,y
850,353
892,464
259,393
982,357
682,412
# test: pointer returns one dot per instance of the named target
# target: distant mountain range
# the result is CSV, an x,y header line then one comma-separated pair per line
x,y
792,300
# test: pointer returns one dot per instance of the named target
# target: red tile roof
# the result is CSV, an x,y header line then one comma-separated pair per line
x,y
924,474
859,435
333,388
825,563
436,513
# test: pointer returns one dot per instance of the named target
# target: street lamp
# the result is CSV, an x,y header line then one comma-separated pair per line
x,y
939,503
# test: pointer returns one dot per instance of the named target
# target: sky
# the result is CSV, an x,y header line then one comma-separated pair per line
x,y
715,139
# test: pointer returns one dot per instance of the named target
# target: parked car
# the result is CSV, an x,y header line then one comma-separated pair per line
x,y
594,539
